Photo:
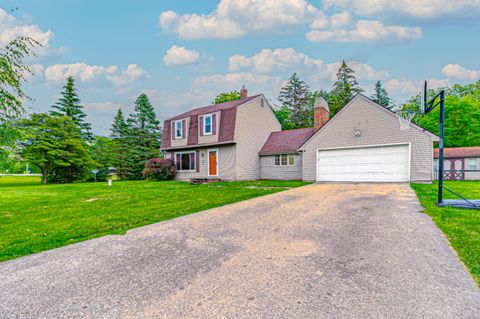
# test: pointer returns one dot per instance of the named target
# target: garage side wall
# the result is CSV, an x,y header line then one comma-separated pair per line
x,y
270,171
377,127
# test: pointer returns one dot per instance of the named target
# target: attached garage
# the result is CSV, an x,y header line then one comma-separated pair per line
x,y
383,163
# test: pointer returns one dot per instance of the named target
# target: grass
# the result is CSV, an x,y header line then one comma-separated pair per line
x,y
36,217
461,226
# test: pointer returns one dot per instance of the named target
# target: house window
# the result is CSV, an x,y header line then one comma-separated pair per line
x,y
285,160
178,129
185,161
207,124
472,163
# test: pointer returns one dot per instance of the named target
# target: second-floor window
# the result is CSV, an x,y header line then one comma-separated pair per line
x,y
178,129
207,124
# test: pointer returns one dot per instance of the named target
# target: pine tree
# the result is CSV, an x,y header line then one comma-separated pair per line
x,y
295,96
121,149
344,88
146,134
69,105
381,97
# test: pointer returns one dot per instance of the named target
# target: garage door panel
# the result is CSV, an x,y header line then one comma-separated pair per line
x,y
370,164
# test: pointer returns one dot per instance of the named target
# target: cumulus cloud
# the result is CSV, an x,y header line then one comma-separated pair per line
x,y
425,9
180,55
363,31
459,72
11,28
85,73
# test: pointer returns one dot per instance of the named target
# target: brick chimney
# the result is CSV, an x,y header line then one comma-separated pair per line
x,y
243,92
321,113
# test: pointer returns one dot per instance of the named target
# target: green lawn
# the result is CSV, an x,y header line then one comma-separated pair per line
x,y
461,226
36,217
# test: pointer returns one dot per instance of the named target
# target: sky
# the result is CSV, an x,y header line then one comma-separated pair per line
x,y
183,53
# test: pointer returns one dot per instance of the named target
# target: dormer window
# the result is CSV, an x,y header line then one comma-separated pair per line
x,y
178,129
207,124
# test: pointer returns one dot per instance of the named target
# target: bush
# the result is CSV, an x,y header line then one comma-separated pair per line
x,y
159,169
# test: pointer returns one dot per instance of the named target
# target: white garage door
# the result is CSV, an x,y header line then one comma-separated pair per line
x,y
364,164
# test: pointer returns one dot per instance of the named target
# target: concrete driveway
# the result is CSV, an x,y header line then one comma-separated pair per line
x,y
320,251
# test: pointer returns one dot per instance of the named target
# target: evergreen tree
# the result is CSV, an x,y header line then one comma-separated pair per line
x,y
146,134
121,148
295,96
69,105
381,97
344,88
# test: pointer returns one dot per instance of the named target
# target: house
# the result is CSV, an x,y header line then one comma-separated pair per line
x,y
243,140
459,163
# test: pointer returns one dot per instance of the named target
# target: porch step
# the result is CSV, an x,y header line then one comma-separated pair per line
x,y
200,180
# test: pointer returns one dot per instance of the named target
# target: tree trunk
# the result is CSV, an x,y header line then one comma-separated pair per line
x,y
44,176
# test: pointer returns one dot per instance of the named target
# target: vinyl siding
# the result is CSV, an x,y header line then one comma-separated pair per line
x,y
182,141
378,127
226,163
253,126
270,171
212,138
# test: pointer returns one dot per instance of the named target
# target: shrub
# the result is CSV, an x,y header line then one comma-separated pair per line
x,y
160,169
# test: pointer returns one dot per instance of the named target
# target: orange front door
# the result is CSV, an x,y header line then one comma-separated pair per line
x,y
212,163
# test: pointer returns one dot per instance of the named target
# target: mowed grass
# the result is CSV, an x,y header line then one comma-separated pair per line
x,y
461,226
35,217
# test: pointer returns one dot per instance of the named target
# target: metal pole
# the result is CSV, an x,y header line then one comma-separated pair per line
x,y
440,148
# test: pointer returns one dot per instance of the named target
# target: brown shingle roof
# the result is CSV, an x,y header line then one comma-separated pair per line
x,y
473,151
283,142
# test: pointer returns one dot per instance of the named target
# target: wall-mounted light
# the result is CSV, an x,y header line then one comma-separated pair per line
x,y
358,133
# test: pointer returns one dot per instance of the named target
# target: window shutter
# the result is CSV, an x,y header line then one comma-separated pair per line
x,y
201,125
214,124
197,161
184,123
173,129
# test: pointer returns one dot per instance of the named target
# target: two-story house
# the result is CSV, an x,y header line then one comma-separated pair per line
x,y
243,140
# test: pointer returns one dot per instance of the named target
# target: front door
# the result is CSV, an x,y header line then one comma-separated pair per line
x,y
212,163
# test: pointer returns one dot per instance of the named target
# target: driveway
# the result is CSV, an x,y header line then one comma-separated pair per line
x,y
320,251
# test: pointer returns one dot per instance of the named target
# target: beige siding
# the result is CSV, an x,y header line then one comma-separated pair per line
x,y
378,127
209,139
183,141
225,159
270,171
253,126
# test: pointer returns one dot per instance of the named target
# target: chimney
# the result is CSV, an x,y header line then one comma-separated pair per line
x,y
321,113
243,92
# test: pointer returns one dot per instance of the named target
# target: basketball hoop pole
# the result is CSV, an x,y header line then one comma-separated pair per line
x,y
440,149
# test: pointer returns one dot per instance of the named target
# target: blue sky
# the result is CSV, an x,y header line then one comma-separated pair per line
x,y
182,53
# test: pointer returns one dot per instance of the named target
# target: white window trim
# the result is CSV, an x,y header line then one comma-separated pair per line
x,y
205,124
208,160
474,161
280,162
181,129
194,163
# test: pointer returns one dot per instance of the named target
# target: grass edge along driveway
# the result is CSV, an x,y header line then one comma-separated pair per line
x,y
461,226
36,217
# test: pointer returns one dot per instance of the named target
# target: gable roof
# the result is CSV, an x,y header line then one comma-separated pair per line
x,y
214,108
226,130
360,95
472,151
284,142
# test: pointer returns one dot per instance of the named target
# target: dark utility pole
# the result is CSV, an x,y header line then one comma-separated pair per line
x,y
440,148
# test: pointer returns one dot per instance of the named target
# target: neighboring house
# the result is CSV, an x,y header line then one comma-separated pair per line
x,y
460,163
242,139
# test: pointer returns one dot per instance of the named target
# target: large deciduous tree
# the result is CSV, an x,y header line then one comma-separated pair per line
x,y
69,105
225,97
55,142
344,88
296,97
381,97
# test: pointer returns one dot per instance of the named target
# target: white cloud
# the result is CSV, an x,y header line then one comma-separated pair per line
x,y
133,73
424,9
85,73
234,18
180,55
11,28
280,59
363,31
458,71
